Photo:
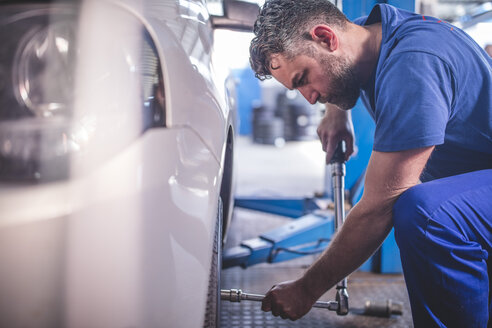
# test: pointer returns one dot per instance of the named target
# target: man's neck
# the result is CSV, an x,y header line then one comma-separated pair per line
x,y
365,42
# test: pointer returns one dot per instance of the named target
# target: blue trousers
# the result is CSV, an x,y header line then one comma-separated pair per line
x,y
444,231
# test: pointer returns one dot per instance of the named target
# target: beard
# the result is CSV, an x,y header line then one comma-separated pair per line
x,y
344,86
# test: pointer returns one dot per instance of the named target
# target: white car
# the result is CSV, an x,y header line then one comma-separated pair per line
x,y
116,147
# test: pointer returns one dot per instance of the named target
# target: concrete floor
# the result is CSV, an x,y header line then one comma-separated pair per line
x,y
296,170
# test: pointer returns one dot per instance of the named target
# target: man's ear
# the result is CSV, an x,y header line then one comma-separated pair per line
x,y
325,36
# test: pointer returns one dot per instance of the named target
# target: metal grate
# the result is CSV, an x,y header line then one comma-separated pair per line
x,y
361,287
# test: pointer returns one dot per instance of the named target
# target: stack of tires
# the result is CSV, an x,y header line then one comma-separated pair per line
x,y
292,119
299,122
267,127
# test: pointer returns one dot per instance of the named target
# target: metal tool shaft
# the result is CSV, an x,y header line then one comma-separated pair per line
x,y
237,295
338,179
371,308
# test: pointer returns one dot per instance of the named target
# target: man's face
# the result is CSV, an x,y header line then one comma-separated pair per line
x,y
326,78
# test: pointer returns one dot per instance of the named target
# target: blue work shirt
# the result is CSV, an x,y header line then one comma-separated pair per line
x,y
432,87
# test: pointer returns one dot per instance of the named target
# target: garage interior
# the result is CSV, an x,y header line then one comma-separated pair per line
x,y
129,128
270,166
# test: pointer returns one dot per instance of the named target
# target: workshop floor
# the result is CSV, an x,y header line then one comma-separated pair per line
x,y
296,170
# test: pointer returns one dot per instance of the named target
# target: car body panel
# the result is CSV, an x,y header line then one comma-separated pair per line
x,y
131,252
126,239
187,35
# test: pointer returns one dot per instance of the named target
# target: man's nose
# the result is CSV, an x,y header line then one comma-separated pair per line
x,y
308,93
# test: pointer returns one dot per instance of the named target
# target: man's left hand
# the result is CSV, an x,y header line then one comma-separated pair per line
x,y
289,300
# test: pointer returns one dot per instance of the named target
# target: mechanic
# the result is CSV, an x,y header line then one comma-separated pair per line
x,y
428,87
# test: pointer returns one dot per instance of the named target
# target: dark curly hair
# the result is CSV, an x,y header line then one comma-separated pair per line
x,y
282,24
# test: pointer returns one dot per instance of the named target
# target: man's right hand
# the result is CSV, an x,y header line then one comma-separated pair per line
x,y
335,126
289,300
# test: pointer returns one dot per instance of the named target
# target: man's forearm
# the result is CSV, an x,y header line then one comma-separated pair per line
x,y
388,175
362,233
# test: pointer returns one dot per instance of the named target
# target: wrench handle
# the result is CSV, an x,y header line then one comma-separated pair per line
x,y
339,154
237,295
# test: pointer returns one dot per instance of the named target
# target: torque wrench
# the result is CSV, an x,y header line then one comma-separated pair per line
x,y
371,308
338,179
237,295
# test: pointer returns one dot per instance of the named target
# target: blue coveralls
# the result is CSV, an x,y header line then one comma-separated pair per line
x,y
433,87
443,229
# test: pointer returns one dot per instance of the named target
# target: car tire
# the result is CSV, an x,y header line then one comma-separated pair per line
x,y
212,311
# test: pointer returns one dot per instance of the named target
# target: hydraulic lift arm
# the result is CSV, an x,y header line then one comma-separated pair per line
x,y
309,234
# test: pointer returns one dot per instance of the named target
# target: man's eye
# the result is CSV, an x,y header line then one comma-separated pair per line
x,y
302,81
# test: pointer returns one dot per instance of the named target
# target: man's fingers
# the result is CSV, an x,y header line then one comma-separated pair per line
x,y
266,304
349,146
276,310
281,301
323,138
266,307
269,303
330,150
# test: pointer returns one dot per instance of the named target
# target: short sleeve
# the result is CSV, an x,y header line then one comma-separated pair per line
x,y
413,100
360,20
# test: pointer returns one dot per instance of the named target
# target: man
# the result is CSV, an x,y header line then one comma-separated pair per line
x,y
428,87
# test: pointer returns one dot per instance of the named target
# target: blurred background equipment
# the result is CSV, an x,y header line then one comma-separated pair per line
x,y
267,127
300,118
290,118
284,175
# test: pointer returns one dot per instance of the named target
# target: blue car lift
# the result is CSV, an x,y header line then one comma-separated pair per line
x,y
310,233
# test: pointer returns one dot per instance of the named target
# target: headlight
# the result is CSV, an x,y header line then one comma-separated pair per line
x,y
43,68
42,127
